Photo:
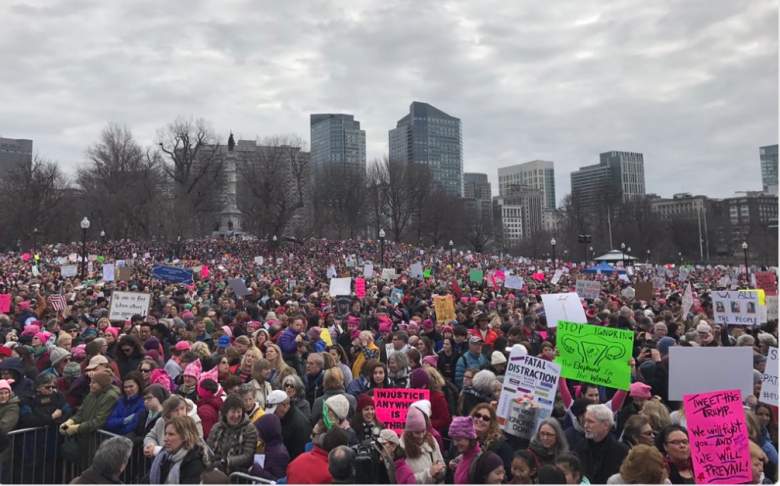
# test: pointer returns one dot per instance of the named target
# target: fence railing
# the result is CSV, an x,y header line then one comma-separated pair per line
x,y
243,478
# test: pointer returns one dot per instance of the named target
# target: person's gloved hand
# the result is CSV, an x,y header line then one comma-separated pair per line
x,y
72,429
66,425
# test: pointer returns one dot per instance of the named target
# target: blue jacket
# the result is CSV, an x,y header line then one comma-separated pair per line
x,y
287,341
124,416
469,360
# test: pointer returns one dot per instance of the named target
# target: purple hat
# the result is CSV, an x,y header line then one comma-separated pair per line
x,y
419,379
462,428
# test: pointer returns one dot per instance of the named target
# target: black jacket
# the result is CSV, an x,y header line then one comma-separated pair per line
x,y
192,466
90,476
296,430
600,460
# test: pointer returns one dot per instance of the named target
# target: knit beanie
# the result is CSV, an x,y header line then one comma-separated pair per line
x,y
488,462
462,428
664,344
71,370
339,405
193,369
58,354
415,420
419,379
6,385
363,401
640,390
431,360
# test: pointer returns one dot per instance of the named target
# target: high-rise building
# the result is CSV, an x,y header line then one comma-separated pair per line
x,y
431,137
769,168
538,174
519,213
337,140
618,177
14,151
477,195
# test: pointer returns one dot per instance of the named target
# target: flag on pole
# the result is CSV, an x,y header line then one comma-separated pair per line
x,y
57,302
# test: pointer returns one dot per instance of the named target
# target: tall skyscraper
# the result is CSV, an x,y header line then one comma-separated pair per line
x,y
537,174
619,176
431,137
336,139
477,195
14,151
769,168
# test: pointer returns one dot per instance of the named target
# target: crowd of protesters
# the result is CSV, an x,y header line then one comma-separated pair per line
x,y
279,383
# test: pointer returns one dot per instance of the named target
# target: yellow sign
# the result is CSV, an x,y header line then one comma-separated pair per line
x,y
445,308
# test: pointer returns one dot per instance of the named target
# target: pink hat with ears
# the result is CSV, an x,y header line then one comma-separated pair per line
x,y
6,384
114,331
212,374
43,336
193,369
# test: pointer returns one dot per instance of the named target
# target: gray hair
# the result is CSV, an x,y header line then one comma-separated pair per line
x,y
484,381
297,383
561,444
112,456
602,413
400,358
317,357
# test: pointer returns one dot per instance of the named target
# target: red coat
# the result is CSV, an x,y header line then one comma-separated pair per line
x,y
489,337
440,412
309,468
208,411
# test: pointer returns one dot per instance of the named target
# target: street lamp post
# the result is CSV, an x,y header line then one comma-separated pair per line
x,y
452,245
273,248
745,251
382,246
623,254
648,257
590,249
629,254
552,244
35,235
679,255
84,227
102,236
178,247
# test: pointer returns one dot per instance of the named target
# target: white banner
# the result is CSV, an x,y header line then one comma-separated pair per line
x,y
513,282
368,270
738,308
108,272
529,395
705,369
125,305
340,286
588,289
69,271
769,381
563,307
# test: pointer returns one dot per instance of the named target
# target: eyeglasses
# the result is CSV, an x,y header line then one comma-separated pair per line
x,y
681,442
546,434
289,385
484,418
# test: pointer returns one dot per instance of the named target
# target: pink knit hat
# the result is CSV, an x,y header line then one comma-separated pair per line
x,y
385,324
431,360
462,428
6,384
415,421
193,369
114,331
640,390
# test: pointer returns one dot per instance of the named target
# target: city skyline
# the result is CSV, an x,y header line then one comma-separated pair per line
x,y
693,87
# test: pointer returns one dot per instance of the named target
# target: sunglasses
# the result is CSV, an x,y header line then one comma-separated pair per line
x,y
484,418
289,385
145,370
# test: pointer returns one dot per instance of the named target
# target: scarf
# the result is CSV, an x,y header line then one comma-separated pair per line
x,y
165,457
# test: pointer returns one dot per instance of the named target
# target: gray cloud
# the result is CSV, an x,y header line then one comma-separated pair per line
x,y
693,85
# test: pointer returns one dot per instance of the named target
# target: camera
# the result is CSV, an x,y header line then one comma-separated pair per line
x,y
368,462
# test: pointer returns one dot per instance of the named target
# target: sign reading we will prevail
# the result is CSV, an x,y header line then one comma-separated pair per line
x,y
392,405
718,435
595,354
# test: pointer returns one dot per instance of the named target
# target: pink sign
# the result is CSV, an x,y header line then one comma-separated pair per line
x,y
204,271
538,276
5,303
392,405
718,437
360,287
26,257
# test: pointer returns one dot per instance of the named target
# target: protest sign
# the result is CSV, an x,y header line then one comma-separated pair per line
x,y
687,300
628,293
326,337
513,282
769,380
108,272
529,395
392,404
204,271
563,307
360,287
368,270
125,305
396,295
595,354
123,273
331,271
767,281
703,369
35,271
476,275
556,277
427,273
718,437
259,260
5,303
388,274
736,307
771,307
416,270
445,308
340,286
69,271
659,282
588,289
172,274
238,286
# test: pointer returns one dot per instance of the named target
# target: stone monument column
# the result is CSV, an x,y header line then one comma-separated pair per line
x,y
230,215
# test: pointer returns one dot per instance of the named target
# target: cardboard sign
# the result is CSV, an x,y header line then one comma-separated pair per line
x,y
123,273
108,272
703,369
718,437
445,308
476,275
67,271
739,308
392,404
766,281
588,289
5,303
771,307
388,274
595,354
531,395
360,287
557,277
340,286
238,287
769,381
125,305
687,301
563,307
513,282
368,271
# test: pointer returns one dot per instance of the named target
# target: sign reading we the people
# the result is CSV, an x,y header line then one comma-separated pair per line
x,y
595,354
738,307
392,405
718,437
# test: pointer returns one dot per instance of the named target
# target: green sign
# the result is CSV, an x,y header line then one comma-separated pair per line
x,y
100,258
427,273
476,275
595,354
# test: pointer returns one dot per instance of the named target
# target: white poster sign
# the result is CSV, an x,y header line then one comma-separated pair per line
x,y
563,307
769,381
108,272
706,369
388,274
259,260
556,277
125,305
687,301
416,270
530,393
368,270
238,286
331,272
69,271
513,282
340,286
588,289
739,308
771,307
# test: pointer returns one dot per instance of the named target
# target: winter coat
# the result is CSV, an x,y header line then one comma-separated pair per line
x,y
296,429
192,466
95,410
316,408
600,460
128,364
37,411
276,456
358,386
310,468
446,365
440,412
9,418
233,444
287,342
23,387
369,352
303,405
469,360
157,434
421,466
464,465
261,392
125,414
313,386
208,411
90,476
403,473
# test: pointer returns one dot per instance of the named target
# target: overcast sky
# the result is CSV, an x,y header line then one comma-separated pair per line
x,y
691,84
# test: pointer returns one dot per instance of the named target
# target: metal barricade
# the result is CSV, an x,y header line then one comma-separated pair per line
x,y
244,478
137,466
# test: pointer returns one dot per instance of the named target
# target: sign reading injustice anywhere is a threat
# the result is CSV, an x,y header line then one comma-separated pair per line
x,y
595,354
392,405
